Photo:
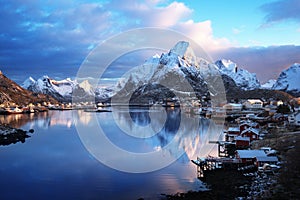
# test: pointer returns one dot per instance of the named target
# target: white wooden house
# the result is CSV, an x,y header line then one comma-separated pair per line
x,y
253,104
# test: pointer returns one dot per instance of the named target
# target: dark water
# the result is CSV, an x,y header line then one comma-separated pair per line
x,y
57,162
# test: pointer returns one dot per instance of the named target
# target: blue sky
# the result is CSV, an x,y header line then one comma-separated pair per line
x,y
54,37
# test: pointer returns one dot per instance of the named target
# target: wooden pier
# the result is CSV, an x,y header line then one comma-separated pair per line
x,y
212,163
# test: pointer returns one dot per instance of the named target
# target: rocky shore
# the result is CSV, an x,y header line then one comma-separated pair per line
x,y
233,184
10,135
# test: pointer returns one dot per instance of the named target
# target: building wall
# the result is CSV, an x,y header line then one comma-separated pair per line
x,y
251,135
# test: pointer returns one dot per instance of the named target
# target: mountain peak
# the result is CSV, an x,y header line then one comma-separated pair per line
x,y
227,65
11,92
242,78
288,80
180,48
269,84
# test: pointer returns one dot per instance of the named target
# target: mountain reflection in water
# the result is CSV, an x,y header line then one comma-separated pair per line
x,y
191,133
53,163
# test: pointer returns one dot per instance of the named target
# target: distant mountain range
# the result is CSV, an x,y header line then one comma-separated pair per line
x,y
63,90
11,92
149,79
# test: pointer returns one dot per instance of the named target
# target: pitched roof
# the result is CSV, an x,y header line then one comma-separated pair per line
x,y
267,158
251,153
253,130
249,123
242,138
235,129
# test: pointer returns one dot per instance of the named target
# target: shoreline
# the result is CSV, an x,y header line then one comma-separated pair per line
x,y
232,184
10,135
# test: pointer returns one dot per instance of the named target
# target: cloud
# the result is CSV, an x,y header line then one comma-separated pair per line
x,y
150,13
266,62
202,33
54,37
281,10
58,35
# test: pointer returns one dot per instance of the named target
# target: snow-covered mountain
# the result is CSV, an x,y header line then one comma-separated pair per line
x,y
269,84
244,79
178,70
11,92
61,90
289,80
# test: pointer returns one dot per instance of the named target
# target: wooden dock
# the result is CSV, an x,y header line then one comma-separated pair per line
x,y
212,163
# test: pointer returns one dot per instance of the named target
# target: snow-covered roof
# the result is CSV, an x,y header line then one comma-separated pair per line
x,y
242,138
267,158
234,105
234,129
254,101
297,113
251,153
253,130
249,124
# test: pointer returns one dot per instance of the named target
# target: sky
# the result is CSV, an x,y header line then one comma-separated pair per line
x,y
54,37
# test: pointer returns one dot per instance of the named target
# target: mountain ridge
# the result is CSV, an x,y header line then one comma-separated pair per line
x,y
177,69
11,92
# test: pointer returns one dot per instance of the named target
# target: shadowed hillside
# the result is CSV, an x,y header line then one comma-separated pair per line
x,y
11,92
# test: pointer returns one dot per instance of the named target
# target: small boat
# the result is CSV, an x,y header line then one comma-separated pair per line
x,y
99,109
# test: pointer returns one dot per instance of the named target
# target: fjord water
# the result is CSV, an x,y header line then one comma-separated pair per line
x,y
54,164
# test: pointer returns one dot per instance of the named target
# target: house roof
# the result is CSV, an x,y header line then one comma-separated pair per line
x,y
234,129
249,123
253,130
234,104
267,158
251,153
254,101
242,138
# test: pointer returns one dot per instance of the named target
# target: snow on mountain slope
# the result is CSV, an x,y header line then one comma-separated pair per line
x,y
178,70
49,86
61,90
269,84
158,67
28,82
87,87
289,79
242,78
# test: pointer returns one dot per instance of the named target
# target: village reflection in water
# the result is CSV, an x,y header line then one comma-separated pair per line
x,y
55,143
46,119
187,134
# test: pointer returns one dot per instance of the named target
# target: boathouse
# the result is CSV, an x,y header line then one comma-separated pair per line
x,y
249,156
261,160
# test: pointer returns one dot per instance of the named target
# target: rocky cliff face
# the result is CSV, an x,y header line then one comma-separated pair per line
x,y
243,79
178,71
11,92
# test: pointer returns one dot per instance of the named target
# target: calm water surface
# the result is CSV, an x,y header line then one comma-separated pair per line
x,y
54,164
